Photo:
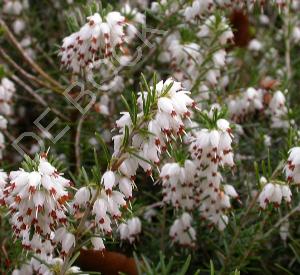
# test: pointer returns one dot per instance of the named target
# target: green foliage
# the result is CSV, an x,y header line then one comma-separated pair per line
x,y
145,266
211,122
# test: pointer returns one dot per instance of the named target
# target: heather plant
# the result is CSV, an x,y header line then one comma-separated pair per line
x,y
144,137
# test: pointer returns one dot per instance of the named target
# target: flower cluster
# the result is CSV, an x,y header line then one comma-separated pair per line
x,y
36,200
133,19
250,101
130,230
202,7
162,118
7,91
273,193
169,106
182,57
211,148
260,100
98,38
173,105
52,267
277,110
14,7
164,7
182,231
248,4
211,25
292,168
237,4
198,8
178,183
186,57
109,202
65,238
108,68
217,33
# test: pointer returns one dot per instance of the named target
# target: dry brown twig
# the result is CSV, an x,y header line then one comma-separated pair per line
x,y
38,97
57,87
25,74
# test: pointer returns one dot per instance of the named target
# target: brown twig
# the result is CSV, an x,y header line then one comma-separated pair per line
x,y
38,97
11,138
57,86
25,74
283,219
